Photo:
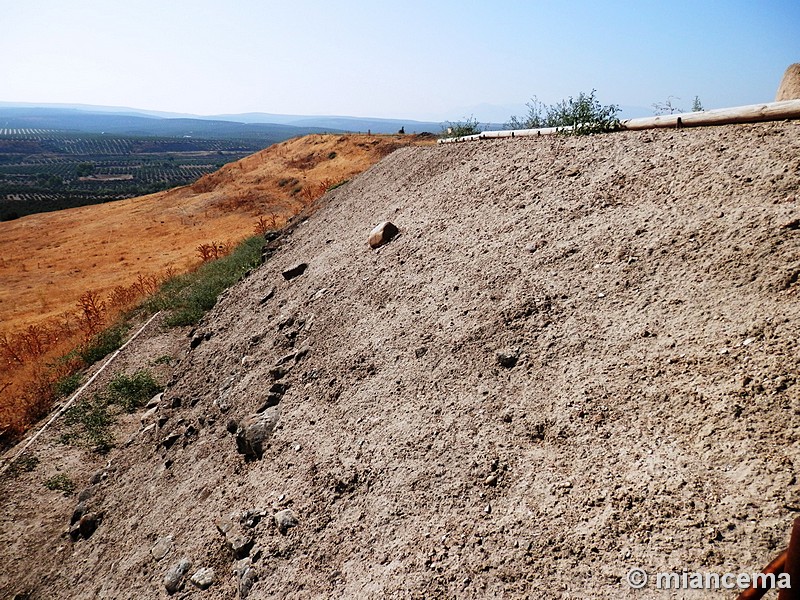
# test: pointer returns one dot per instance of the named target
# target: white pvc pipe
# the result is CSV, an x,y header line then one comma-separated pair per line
x,y
64,408
753,113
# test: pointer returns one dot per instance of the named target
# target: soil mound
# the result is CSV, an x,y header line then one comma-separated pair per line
x,y
579,356
789,88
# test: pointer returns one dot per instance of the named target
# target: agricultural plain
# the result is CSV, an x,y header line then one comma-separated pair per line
x,y
43,170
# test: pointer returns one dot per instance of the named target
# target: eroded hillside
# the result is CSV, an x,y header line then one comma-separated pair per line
x,y
579,356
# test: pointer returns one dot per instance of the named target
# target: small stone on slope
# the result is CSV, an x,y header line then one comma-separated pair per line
x,y
382,234
203,578
162,547
173,579
285,520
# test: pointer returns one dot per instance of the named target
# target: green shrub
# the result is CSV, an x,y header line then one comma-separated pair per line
x,y
667,107
131,392
468,126
60,482
103,344
583,115
22,464
91,422
187,297
67,385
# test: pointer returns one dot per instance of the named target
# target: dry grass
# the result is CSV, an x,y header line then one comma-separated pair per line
x,y
121,250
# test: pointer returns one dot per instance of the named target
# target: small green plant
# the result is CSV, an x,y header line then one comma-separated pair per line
x,y
91,422
535,119
165,359
22,464
61,483
131,392
697,106
667,107
468,126
68,384
102,344
187,297
332,155
579,116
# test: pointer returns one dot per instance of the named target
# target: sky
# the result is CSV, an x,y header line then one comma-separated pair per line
x,y
415,59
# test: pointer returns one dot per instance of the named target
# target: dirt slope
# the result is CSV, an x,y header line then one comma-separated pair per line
x,y
646,284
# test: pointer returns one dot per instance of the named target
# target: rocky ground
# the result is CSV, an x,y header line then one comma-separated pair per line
x,y
578,356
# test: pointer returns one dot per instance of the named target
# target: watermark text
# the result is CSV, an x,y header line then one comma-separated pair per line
x,y
688,580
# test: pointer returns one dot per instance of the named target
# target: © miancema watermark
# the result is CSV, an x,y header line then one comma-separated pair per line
x,y
687,580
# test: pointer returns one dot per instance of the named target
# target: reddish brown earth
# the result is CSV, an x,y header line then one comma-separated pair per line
x,y
646,284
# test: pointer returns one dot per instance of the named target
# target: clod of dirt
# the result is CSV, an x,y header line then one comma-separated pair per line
x,y
162,547
255,430
270,293
269,249
285,520
240,544
88,524
79,511
196,341
225,526
294,271
276,392
382,234
507,357
203,578
155,400
246,575
86,493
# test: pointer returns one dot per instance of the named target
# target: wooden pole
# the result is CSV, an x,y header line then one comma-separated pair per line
x,y
792,566
754,113
776,567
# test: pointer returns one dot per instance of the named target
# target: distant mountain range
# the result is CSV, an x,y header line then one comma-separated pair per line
x,y
128,121
267,127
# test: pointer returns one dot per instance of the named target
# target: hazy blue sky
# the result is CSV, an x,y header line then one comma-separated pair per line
x,y
408,59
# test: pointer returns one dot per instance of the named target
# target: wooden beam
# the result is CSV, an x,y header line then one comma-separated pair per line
x,y
754,113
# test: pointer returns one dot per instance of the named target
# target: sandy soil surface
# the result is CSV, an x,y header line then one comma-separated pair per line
x,y
578,357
